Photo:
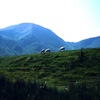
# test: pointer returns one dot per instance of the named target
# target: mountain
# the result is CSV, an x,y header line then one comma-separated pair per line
x,y
28,38
87,43
6,45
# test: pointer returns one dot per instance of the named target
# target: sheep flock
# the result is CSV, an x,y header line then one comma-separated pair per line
x,y
48,50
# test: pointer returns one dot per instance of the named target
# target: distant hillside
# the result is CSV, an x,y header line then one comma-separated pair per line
x,y
29,38
6,46
88,43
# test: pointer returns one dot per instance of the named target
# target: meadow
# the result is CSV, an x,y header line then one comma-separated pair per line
x,y
68,75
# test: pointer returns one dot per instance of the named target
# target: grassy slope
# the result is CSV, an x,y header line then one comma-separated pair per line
x,y
59,68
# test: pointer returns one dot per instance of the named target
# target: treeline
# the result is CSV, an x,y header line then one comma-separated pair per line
x,y
21,90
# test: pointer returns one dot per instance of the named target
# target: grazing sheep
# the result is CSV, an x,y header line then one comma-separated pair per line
x,y
47,50
62,49
42,51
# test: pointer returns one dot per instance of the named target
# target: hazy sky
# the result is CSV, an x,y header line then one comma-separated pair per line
x,y
72,20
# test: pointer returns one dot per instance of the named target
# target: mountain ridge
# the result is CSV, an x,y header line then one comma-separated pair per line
x,y
27,38
92,42
31,38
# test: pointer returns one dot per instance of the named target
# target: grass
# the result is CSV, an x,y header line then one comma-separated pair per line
x,y
56,68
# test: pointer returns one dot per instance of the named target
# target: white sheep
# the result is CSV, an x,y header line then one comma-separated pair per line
x,y
47,50
62,49
42,51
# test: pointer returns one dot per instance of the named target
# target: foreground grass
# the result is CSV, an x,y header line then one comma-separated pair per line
x,y
69,75
56,69
21,90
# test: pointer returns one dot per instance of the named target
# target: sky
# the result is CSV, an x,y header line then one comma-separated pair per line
x,y
72,20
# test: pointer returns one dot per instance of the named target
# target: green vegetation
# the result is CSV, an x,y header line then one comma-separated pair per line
x,y
76,71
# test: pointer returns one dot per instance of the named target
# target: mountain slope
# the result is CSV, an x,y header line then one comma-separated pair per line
x,y
31,38
57,68
28,38
6,45
71,75
87,43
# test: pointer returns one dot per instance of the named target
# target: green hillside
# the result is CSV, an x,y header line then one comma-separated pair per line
x,y
59,68
68,75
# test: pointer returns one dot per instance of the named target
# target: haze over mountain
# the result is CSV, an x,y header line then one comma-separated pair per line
x,y
26,38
